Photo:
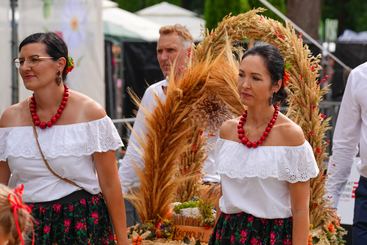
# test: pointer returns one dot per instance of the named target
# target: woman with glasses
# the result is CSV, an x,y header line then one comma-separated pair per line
x,y
61,145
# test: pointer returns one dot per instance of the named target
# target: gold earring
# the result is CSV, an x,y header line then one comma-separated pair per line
x,y
58,77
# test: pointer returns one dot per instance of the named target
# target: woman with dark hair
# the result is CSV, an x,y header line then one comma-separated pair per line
x,y
61,145
264,161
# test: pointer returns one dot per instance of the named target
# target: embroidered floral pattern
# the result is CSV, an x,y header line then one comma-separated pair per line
x,y
242,228
85,221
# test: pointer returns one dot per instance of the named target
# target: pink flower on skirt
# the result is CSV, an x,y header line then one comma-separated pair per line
x,y
42,210
254,241
272,238
243,236
83,202
95,217
232,238
287,242
67,223
46,229
250,219
95,199
56,207
279,222
80,226
71,208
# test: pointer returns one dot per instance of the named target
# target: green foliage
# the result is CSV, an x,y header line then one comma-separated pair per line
x,y
188,204
279,4
351,14
215,10
136,5
206,211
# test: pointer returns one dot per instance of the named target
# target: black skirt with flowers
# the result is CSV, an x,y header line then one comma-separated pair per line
x,y
243,228
79,218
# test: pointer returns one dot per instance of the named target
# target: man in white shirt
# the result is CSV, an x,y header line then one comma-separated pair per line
x,y
173,47
351,131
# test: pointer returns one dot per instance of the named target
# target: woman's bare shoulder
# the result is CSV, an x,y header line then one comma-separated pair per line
x,y
228,129
87,108
15,115
291,133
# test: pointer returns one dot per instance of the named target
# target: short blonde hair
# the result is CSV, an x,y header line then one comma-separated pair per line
x,y
180,30
7,222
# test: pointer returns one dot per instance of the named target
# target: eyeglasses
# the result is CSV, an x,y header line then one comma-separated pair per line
x,y
32,61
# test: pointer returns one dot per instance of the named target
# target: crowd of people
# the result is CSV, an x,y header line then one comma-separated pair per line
x,y
57,153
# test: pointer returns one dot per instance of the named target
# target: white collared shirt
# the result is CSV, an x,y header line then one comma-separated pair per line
x,y
350,130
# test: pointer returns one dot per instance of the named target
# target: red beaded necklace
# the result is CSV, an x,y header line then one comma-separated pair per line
x,y
54,118
242,135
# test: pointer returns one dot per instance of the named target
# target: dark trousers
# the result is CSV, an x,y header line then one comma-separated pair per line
x,y
359,229
132,216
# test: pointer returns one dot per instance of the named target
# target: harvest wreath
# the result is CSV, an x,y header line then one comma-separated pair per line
x,y
205,96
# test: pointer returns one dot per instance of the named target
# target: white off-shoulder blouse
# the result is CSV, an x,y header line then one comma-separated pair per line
x,y
256,181
68,149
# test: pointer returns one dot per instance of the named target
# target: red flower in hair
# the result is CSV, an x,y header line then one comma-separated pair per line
x,y
69,65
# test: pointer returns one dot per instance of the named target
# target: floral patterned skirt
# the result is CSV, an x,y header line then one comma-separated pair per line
x,y
79,218
243,228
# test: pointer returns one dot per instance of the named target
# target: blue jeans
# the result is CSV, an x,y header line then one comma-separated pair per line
x,y
132,216
359,229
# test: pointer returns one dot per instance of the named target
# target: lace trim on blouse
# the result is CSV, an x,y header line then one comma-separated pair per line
x,y
60,140
286,163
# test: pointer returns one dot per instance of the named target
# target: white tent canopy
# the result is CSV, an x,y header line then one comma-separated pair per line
x,y
168,14
109,4
119,22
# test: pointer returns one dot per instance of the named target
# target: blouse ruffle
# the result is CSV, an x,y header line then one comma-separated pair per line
x,y
60,140
286,163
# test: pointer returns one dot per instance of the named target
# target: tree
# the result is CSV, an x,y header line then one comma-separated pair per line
x,y
350,14
136,5
279,4
305,14
215,10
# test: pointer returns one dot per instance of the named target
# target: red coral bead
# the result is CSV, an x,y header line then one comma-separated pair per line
x,y
43,125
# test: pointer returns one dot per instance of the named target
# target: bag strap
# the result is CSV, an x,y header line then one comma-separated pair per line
x,y
48,165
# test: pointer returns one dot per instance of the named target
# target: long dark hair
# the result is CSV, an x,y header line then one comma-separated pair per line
x,y
55,46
